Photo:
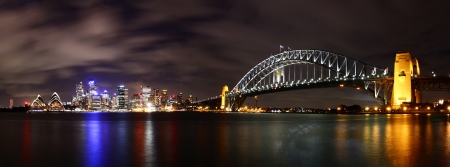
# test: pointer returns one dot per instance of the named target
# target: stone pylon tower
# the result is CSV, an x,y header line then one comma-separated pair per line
x,y
224,98
405,68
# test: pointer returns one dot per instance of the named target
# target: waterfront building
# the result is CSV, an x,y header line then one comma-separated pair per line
x,y
172,100
190,99
122,97
146,93
38,104
180,98
164,97
180,101
55,103
155,97
135,101
106,101
96,102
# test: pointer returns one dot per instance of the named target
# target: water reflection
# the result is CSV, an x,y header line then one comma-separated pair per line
x,y
26,144
198,139
381,140
93,144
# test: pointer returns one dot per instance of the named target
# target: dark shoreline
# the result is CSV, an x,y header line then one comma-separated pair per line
x,y
21,110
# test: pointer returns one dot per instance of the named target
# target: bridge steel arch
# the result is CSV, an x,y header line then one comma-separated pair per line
x,y
340,69
342,66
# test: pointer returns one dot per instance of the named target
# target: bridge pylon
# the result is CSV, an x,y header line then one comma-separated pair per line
x,y
224,98
405,68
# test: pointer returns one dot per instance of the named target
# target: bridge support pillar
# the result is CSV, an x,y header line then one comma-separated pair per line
x,y
404,69
223,96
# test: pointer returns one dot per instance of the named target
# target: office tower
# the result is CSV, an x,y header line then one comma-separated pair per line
x,y
96,102
190,99
105,99
79,89
122,97
180,98
146,92
135,101
164,97
155,97
93,97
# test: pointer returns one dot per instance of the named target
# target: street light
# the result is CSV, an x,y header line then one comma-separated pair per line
x,y
256,100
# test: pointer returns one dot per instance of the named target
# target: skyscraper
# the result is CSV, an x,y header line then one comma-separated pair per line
x,y
164,97
190,99
146,92
155,97
105,99
94,99
180,98
79,100
135,100
79,91
122,97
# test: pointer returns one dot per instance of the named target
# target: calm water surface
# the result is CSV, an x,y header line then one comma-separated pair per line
x,y
223,139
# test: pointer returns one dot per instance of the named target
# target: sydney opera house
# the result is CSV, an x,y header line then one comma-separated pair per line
x,y
54,104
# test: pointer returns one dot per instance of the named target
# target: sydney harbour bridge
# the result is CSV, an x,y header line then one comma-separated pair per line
x,y
309,69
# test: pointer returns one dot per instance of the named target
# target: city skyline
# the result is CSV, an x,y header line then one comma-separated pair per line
x,y
47,46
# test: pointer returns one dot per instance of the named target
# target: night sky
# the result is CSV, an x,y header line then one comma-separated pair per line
x,y
197,46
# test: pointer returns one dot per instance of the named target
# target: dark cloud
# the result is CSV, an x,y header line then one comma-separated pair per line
x,y
197,46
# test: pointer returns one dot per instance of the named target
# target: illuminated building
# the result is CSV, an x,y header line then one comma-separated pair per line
x,y
146,93
11,103
164,97
404,68
135,100
122,97
38,104
114,101
79,91
93,89
79,100
190,99
55,103
180,98
155,97
105,99
172,100
96,102
93,97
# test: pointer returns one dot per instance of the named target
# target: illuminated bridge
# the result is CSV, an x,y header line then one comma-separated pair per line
x,y
308,69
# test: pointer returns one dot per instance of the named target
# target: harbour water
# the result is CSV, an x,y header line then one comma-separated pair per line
x,y
223,139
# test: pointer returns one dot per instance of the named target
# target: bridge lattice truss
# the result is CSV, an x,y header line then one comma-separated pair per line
x,y
313,69
306,69
337,66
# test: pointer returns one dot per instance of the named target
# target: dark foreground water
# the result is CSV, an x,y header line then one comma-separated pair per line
x,y
223,139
